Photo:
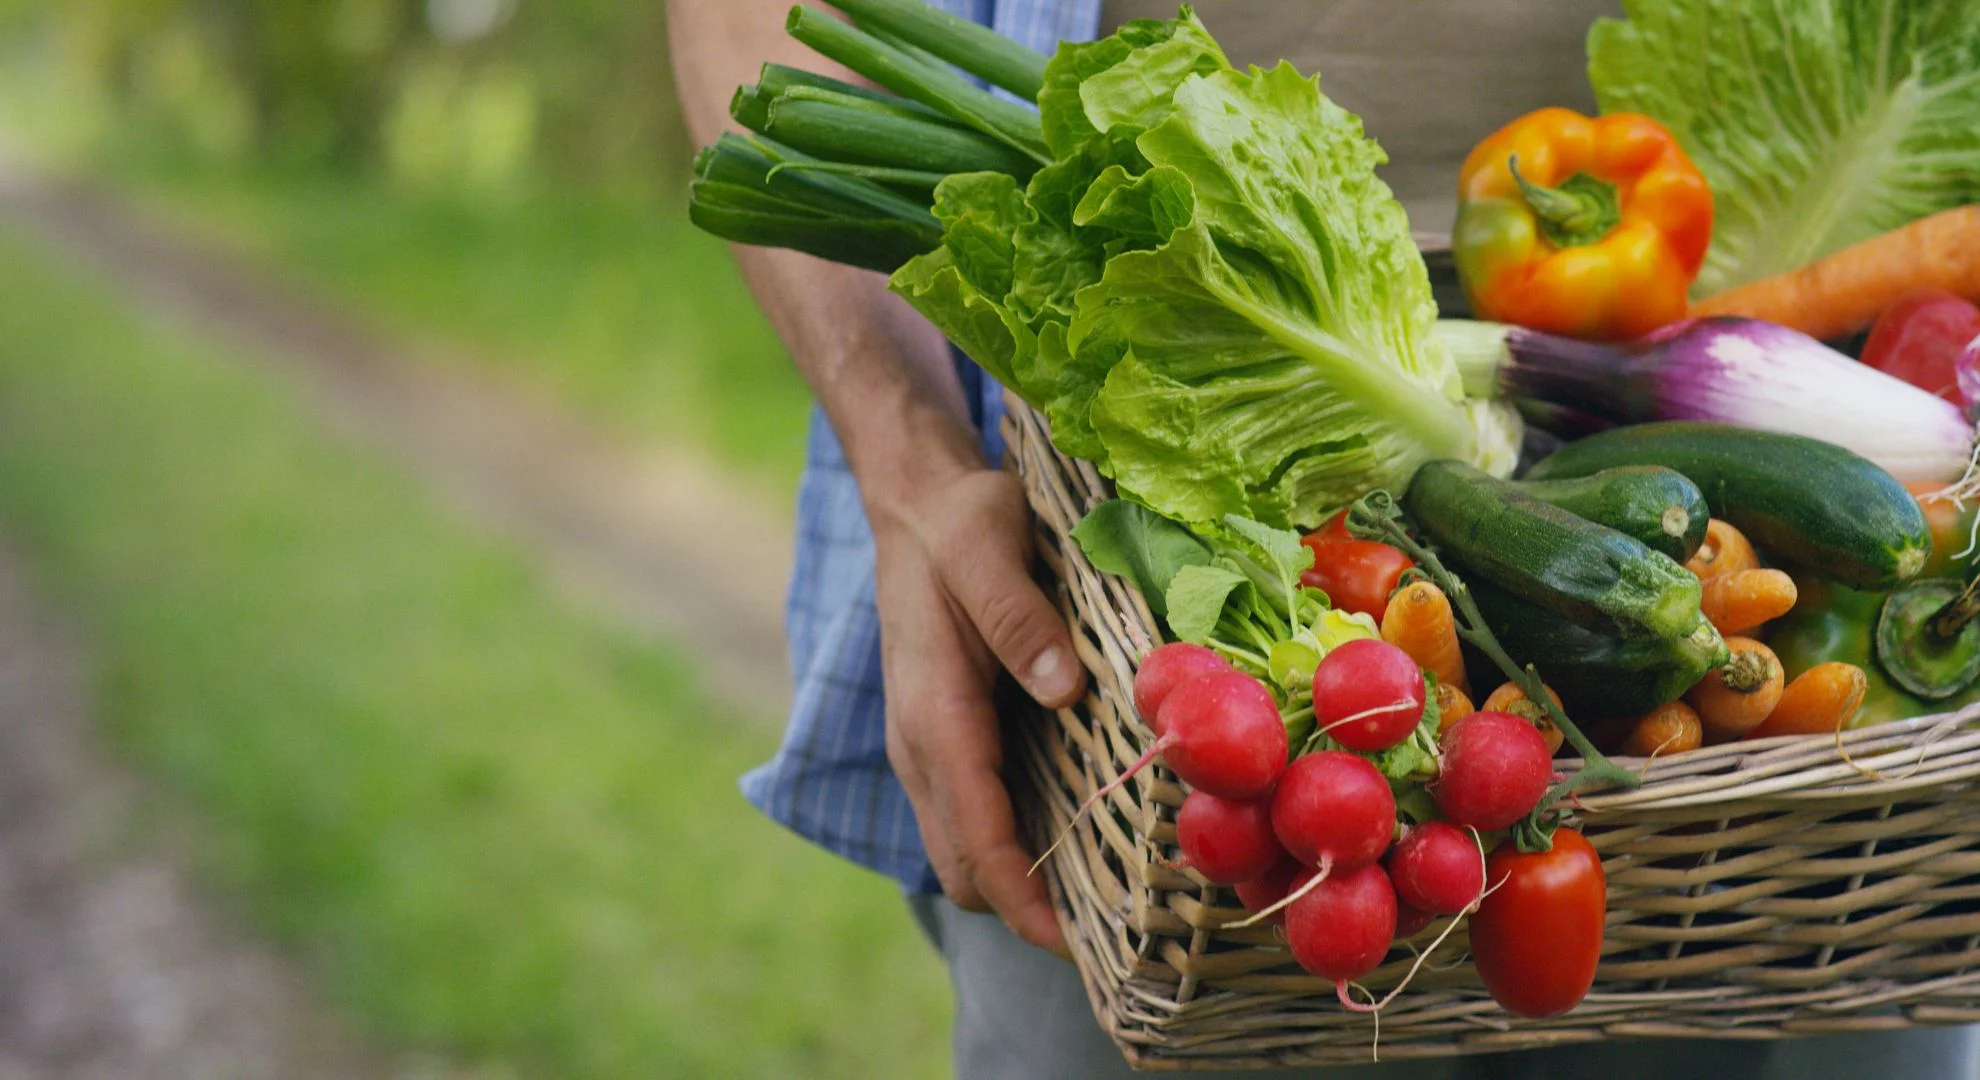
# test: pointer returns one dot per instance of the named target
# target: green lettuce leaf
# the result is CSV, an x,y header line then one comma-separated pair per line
x,y
1208,293
1819,123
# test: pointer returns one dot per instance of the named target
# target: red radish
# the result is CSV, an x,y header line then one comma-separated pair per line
x,y
1334,810
1227,840
1438,867
1341,929
1495,769
1269,888
1367,694
1221,733
1165,668
1410,921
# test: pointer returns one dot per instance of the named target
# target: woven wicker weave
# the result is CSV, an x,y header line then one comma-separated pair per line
x,y
1756,889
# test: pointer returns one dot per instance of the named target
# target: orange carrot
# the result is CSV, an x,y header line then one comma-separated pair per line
x,y
1818,702
1453,705
1668,729
1844,292
1737,602
1734,699
1724,551
1419,622
1509,698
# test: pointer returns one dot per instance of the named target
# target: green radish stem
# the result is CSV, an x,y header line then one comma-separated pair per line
x,y
979,50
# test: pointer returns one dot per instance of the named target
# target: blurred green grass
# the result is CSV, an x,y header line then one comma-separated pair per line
x,y
623,311
492,825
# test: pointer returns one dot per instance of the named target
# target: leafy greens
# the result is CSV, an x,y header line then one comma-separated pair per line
x,y
1208,291
1819,123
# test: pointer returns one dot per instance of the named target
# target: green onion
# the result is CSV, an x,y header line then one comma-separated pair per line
x,y
976,49
939,89
755,191
774,80
853,130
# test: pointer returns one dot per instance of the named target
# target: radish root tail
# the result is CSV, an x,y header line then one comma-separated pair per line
x,y
1326,867
1139,764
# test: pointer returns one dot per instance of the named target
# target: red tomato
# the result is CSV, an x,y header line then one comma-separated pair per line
x,y
1536,939
1918,338
1357,575
1335,529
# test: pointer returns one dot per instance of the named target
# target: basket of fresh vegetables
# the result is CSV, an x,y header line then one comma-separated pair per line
x,y
1600,670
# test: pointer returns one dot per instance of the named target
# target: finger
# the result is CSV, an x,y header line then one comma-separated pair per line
x,y
928,820
968,784
921,652
992,582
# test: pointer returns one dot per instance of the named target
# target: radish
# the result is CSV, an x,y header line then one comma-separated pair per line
x,y
1410,920
1334,810
1341,928
1227,840
1165,668
1221,733
1269,888
1367,694
1437,867
1496,766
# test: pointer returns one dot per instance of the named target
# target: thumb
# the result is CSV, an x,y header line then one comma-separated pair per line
x,y
1018,622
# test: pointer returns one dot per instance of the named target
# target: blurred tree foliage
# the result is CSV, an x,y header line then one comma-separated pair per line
x,y
477,93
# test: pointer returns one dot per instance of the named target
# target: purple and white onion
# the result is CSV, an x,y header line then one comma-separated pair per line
x,y
1728,370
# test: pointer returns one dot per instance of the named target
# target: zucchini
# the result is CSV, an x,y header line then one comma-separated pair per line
x,y
1596,675
1591,574
1800,500
1657,506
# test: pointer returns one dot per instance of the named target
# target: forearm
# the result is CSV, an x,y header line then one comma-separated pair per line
x,y
881,372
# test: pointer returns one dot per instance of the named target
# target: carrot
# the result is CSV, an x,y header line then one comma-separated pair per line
x,y
1419,622
1737,602
1509,698
1724,551
1671,728
1734,699
1453,705
1844,292
1818,702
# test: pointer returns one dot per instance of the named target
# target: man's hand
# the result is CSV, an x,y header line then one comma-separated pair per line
x,y
957,604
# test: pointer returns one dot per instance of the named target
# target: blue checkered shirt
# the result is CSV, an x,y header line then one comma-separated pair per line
x,y
830,781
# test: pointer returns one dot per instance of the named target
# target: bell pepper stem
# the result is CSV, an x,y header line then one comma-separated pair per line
x,y
1581,211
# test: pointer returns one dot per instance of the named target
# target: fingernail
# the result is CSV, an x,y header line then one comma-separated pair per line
x,y
1051,677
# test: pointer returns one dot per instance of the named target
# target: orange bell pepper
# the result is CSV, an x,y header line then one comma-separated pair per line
x,y
1592,228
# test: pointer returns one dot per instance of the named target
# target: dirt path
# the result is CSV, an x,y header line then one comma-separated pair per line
x,y
625,530
112,965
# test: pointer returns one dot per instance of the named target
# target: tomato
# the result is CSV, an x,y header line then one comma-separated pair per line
x,y
1356,575
1535,940
1335,529
1918,338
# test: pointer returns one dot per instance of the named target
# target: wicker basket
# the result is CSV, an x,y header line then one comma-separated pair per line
x,y
1756,890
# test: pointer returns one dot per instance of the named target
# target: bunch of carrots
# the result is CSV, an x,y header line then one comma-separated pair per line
x,y
1748,698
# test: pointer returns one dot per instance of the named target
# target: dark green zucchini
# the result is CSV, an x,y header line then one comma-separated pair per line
x,y
1801,501
1657,506
1596,675
1590,574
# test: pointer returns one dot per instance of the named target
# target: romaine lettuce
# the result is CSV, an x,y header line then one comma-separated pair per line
x,y
1819,123
1208,292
